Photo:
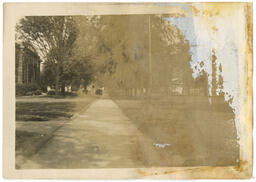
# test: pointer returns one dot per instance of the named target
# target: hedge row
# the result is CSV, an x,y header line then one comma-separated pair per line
x,y
28,89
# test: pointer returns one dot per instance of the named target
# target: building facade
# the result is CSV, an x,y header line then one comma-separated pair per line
x,y
27,66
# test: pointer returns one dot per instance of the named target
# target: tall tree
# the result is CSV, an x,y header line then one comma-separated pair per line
x,y
125,52
119,47
52,37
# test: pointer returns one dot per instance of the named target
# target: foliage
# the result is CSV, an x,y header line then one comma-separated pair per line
x,y
98,92
37,92
52,37
106,49
26,89
48,74
78,71
51,92
121,54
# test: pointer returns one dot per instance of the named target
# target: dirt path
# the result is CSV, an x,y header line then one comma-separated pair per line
x,y
100,137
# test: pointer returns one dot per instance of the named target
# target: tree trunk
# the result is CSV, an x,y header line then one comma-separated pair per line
x,y
57,86
63,88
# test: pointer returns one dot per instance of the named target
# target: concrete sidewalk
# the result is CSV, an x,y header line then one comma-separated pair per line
x,y
100,137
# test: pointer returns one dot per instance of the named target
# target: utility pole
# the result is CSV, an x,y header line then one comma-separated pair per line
x,y
149,52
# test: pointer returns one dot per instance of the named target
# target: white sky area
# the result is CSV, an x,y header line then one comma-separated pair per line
x,y
226,38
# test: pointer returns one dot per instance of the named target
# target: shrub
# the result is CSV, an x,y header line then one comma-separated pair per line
x,y
51,92
37,92
98,92
29,93
70,94
43,88
24,89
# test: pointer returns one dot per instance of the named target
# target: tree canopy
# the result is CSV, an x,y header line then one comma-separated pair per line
x,y
120,49
108,49
52,37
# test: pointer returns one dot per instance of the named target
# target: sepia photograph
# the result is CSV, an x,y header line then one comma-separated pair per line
x,y
136,89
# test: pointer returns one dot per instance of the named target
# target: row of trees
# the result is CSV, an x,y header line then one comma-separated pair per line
x,y
121,47
119,52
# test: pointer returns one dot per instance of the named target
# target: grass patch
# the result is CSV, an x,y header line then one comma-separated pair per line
x,y
202,133
38,111
29,137
51,109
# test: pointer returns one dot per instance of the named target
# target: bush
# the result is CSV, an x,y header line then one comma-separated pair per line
x,y
98,92
25,89
37,92
29,93
43,88
70,94
51,92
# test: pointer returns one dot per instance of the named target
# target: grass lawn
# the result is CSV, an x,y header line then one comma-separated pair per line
x,y
47,109
202,134
38,118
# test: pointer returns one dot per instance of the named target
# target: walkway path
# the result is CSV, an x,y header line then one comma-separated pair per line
x,y
100,137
